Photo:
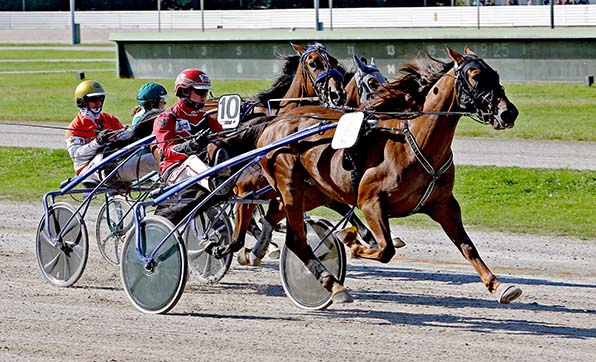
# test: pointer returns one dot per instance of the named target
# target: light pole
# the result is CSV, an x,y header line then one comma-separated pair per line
x,y
75,36
317,26
331,14
203,15
159,16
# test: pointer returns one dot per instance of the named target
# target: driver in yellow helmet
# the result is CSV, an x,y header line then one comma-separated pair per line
x,y
92,130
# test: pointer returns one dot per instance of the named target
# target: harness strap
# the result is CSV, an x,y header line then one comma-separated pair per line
x,y
349,163
427,166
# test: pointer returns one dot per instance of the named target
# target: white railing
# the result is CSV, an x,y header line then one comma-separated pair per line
x,y
461,16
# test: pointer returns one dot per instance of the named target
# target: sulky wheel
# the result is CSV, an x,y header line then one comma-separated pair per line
x,y
208,231
62,264
113,222
298,282
154,286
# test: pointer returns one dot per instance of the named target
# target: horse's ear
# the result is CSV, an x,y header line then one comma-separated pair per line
x,y
468,50
358,62
298,48
455,56
373,63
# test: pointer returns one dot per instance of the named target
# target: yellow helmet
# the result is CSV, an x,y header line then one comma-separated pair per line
x,y
88,88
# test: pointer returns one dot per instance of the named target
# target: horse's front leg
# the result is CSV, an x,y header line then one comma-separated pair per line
x,y
288,178
365,234
379,225
448,215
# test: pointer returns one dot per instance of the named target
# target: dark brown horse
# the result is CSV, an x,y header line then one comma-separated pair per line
x,y
317,75
406,165
366,79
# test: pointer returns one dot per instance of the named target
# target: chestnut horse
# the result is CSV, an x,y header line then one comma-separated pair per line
x,y
366,79
317,75
407,165
312,76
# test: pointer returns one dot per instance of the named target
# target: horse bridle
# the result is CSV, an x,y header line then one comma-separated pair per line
x,y
362,78
473,98
321,82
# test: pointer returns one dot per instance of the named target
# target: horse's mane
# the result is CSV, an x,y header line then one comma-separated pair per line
x,y
348,77
409,91
282,83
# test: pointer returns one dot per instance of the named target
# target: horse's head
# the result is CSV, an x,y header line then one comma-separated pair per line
x,y
367,79
479,90
321,70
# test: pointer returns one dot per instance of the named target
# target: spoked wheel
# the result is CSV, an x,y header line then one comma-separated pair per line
x,y
62,265
208,231
157,285
113,222
298,282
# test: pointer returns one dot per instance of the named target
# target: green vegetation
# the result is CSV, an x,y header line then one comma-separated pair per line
x,y
552,111
63,66
27,174
41,54
548,202
54,93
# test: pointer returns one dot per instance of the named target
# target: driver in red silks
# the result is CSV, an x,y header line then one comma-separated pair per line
x,y
182,134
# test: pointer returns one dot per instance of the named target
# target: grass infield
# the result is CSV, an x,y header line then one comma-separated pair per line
x,y
549,111
537,201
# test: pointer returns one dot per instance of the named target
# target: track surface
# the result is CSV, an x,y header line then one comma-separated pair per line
x,y
427,304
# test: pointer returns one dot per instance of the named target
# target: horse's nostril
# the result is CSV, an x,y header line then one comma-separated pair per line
x,y
508,116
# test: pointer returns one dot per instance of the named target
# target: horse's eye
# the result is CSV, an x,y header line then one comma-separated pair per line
x,y
374,83
312,64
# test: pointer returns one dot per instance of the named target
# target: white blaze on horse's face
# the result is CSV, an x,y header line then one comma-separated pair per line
x,y
479,90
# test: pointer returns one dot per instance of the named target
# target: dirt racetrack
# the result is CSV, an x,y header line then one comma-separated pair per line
x,y
426,305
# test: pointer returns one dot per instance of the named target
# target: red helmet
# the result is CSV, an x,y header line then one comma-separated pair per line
x,y
188,78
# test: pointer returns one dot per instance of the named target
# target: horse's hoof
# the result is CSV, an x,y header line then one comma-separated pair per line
x,y
244,257
507,293
222,251
398,243
343,296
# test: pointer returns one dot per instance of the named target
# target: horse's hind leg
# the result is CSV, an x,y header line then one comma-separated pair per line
x,y
448,215
275,214
243,213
